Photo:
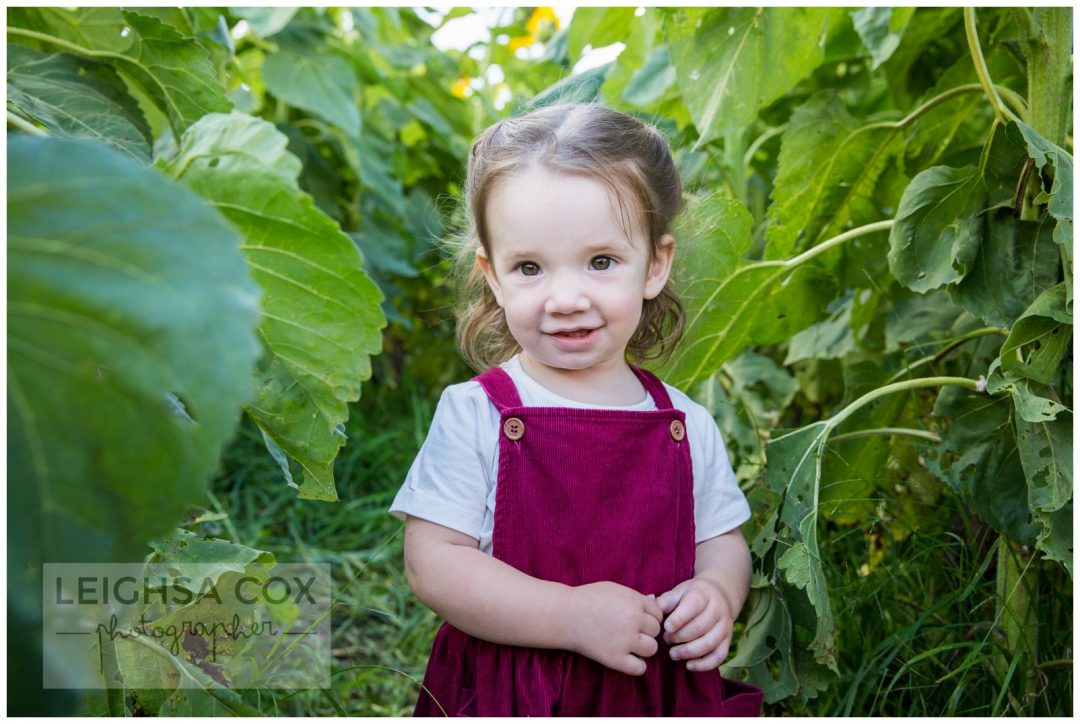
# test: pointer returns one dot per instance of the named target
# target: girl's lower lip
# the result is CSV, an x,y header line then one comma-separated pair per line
x,y
576,342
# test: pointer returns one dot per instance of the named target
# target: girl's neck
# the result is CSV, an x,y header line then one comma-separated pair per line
x,y
615,385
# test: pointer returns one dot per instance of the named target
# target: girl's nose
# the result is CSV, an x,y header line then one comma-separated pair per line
x,y
566,299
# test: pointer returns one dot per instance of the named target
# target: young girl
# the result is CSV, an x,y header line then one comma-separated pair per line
x,y
567,508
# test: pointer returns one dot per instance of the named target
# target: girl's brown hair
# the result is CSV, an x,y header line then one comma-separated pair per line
x,y
630,157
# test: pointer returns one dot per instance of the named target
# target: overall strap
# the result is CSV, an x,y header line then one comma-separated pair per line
x,y
499,388
654,387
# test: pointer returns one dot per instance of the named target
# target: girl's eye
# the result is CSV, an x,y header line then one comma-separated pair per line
x,y
601,263
528,269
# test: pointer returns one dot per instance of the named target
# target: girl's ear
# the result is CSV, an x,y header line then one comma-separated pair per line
x,y
484,263
660,268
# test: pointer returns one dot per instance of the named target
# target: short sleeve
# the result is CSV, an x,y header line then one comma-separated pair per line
x,y
719,504
448,482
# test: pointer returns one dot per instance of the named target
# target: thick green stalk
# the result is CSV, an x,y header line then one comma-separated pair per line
x,y
1048,65
835,241
1049,62
1016,611
900,431
1049,99
973,385
923,109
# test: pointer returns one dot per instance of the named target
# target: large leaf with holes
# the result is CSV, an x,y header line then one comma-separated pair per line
x,y
1040,338
1044,440
202,577
794,473
1046,450
1056,164
1043,426
790,602
321,318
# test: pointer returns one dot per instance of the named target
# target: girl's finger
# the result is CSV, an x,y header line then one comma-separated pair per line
x,y
688,608
670,599
653,608
711,660
695,628
645,646
650,626
632,665
700,647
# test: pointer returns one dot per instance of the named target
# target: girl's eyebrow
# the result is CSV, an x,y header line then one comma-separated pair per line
x,y
519,255
606,244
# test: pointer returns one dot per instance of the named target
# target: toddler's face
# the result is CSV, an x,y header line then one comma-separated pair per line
x,y
570,281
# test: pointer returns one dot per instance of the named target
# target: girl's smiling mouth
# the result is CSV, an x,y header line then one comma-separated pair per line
x,y
575,338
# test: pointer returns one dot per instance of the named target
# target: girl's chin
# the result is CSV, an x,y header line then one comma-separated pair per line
x,y
564,361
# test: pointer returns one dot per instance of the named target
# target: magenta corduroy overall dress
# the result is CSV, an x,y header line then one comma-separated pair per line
x,y
584,495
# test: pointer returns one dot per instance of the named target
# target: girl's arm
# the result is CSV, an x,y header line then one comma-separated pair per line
x,y
494,601
704,608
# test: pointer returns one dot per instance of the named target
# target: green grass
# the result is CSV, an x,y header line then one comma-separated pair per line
x,y
921,633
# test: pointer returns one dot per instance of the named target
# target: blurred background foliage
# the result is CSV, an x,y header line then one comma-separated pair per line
x,y
949,588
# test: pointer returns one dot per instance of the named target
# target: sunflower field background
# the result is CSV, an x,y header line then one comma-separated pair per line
x,y
230,317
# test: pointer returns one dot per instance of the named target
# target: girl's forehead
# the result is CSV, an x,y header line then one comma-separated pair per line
x,y
535,204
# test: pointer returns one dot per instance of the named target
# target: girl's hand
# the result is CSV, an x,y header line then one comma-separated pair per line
x,y
700,620
615,625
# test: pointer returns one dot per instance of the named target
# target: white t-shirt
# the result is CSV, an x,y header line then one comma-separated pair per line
x,y
452,480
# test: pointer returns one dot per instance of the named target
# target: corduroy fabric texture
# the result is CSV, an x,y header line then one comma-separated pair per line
x,y
584,495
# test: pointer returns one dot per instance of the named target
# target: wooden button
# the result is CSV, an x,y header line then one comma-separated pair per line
x,y
514,428
677,430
